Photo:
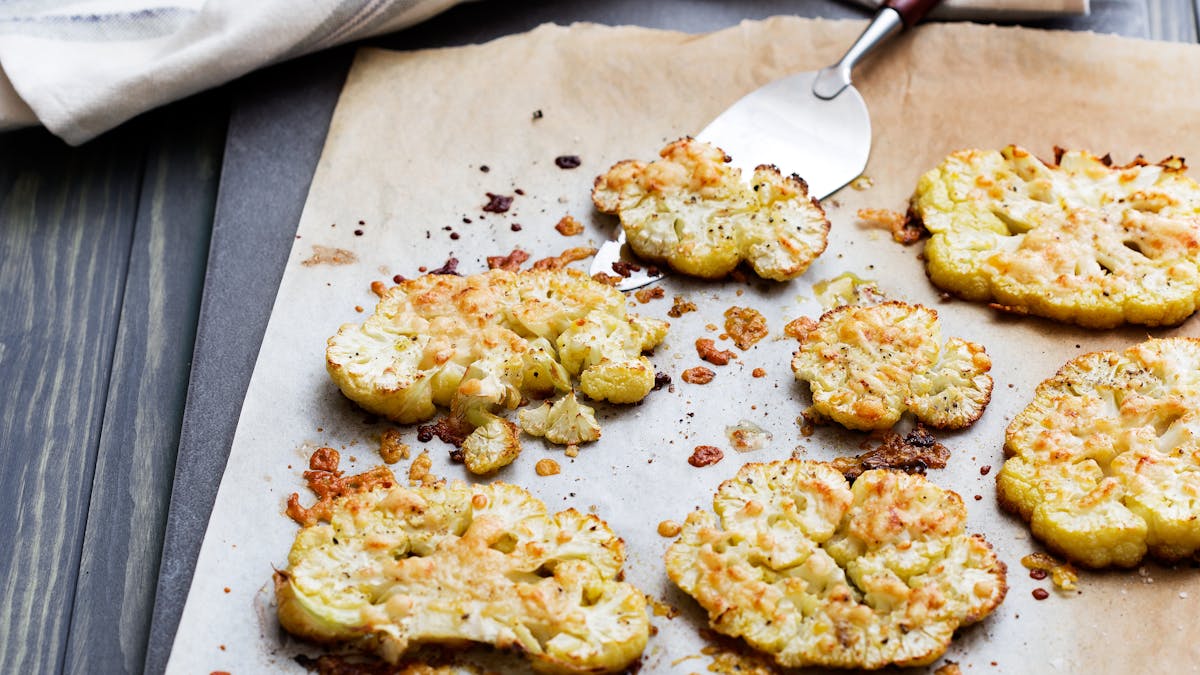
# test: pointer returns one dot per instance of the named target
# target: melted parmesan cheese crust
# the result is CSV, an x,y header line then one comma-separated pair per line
x,y
485,340
481,563
1079,241
1105,462
691,210
867,365
817,572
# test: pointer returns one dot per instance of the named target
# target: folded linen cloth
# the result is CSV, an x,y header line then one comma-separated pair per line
x,y
81,67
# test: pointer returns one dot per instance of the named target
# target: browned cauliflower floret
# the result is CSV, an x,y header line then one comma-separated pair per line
x,y
691,210
867,365
565,422
491,446
1079,241
1105,462
480,342
485,563
816,572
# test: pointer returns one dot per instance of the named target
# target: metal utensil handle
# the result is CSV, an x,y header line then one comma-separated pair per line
x,y
892,18
911,11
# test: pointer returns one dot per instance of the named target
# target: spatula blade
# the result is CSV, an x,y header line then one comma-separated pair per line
x,y
825,142
783,123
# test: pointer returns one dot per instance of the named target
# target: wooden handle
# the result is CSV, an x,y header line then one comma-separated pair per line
x,y
911,11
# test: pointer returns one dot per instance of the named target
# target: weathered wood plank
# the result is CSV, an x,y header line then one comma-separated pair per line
x,y
1173,20
136,459
66,222
253,228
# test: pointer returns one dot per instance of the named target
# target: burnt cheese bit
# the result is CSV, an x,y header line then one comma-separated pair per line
x,y
661,380
708,351
567,161
625,269
451,267
705,455
497,203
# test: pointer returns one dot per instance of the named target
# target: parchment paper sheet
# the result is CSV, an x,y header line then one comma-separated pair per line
x,y
404,156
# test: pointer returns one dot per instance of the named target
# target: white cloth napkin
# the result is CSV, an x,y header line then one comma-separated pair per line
x,y
81,67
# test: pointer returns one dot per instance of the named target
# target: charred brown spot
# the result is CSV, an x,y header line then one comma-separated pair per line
x,y
497,203
913,453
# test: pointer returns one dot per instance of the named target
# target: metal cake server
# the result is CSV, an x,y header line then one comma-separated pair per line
x,y
814,124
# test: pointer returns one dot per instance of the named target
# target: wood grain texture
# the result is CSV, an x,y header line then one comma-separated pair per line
x,y
135,463
1173,20
66,222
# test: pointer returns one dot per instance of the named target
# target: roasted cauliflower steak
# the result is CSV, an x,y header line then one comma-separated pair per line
x,y
691,210
478,342
868,364
394,568
1104,464
1077,240
815,571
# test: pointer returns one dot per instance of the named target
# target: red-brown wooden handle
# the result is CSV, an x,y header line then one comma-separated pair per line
x,y
911,11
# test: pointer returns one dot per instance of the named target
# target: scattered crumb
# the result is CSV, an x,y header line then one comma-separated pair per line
x,y
708,351
390,447
705,455
698,375
448,429
658,607
912,453
905,230
327,482
861,183
565,258
949,668
626,268
606,279
358,308
661,380
418,471
745,325
546,467
800,327
569,227
567,161
572,451
1063,574
758,372
328,255
497,203
669,528
647,294
985,470
450,267
511,262
746,436
378,288
681,306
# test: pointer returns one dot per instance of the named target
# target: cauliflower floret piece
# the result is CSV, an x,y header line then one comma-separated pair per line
x,y
867,365
492,445
486,563
492,337
691,210
1078,240
1105,462
566,422
816,572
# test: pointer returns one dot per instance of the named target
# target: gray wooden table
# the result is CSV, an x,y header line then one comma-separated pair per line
x,y
137,274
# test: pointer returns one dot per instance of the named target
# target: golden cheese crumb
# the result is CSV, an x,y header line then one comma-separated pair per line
x,y
569,227
680,306
745,325
390,447
669,528
546,467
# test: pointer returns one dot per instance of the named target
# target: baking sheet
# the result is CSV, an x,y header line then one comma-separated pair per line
x,y
404,156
